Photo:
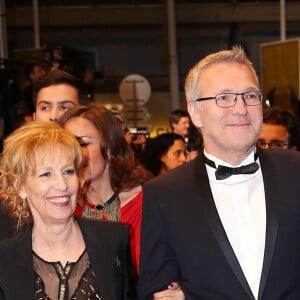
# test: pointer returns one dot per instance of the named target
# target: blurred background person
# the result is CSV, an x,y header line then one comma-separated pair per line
x,y
136,140
57,254
194,148
33,73
179,121
25,108
55,93
195,143
280,129
57,59
164,153
88,85
10,98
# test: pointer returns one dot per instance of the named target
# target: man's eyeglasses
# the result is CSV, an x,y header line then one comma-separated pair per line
x,y
273,144
229,99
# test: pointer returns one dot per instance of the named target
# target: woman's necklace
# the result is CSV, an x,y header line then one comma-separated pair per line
x,y
109,210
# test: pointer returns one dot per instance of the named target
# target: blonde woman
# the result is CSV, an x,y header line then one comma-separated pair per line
x,y
57,256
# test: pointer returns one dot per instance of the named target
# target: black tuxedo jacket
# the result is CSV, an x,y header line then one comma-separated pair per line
x,y
183,238
108,250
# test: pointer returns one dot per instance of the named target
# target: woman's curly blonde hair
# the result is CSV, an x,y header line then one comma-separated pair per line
x,y
22,151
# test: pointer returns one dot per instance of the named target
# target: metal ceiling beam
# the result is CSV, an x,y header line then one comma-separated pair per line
x,y
3,33
94,16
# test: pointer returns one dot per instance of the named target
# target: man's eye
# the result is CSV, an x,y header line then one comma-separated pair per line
x,y
65,108
45,108
250,96
261,142
277,143
178,153
223,97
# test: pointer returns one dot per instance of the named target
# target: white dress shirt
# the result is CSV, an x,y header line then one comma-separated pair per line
x,y
240,201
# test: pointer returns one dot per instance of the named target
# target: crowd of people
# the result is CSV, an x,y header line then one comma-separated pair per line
x,y
209,210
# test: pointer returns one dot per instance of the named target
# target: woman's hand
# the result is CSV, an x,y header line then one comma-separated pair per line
x,y
174,292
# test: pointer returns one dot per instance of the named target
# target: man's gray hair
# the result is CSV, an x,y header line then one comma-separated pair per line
x,y
234,55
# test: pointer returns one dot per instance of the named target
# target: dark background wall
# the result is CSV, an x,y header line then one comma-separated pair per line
x,y
124,37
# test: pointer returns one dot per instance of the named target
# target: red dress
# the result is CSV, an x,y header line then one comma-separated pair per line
x,y
130,214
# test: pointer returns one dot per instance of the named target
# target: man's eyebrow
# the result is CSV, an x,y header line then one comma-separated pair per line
x,y
245,90
65,101
59,101
44,102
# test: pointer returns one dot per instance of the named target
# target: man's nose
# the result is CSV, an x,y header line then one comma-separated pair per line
x,y
182,157
240,106
54,115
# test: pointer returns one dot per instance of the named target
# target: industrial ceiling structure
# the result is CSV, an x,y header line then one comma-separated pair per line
x,y
129,30
125,37
114,2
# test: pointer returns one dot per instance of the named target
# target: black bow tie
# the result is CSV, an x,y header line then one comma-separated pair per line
x,y
224,172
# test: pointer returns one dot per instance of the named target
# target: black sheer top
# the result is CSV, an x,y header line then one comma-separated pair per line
x,y
77,280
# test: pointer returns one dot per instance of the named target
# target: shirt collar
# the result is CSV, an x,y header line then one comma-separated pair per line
x,y
232,179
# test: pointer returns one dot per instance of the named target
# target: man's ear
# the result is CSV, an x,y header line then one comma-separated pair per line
x,y
34,116
163,158
194,111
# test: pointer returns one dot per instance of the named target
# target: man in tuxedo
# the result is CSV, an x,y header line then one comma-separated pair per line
x,y
227,224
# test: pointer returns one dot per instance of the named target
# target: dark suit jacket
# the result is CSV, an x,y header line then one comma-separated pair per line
x,y
108,250
7,224
183,238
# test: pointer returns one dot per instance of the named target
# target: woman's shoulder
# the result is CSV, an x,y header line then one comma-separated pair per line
x,y
128,196
21,242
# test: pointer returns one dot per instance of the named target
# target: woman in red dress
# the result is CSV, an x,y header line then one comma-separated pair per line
x,y
113,180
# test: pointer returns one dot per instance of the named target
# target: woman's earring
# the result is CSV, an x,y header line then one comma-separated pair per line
x,y
82,183
20,211
109,156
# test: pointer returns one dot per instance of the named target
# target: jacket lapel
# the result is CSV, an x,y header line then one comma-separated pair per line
x,y
216,224
272,213
24,266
